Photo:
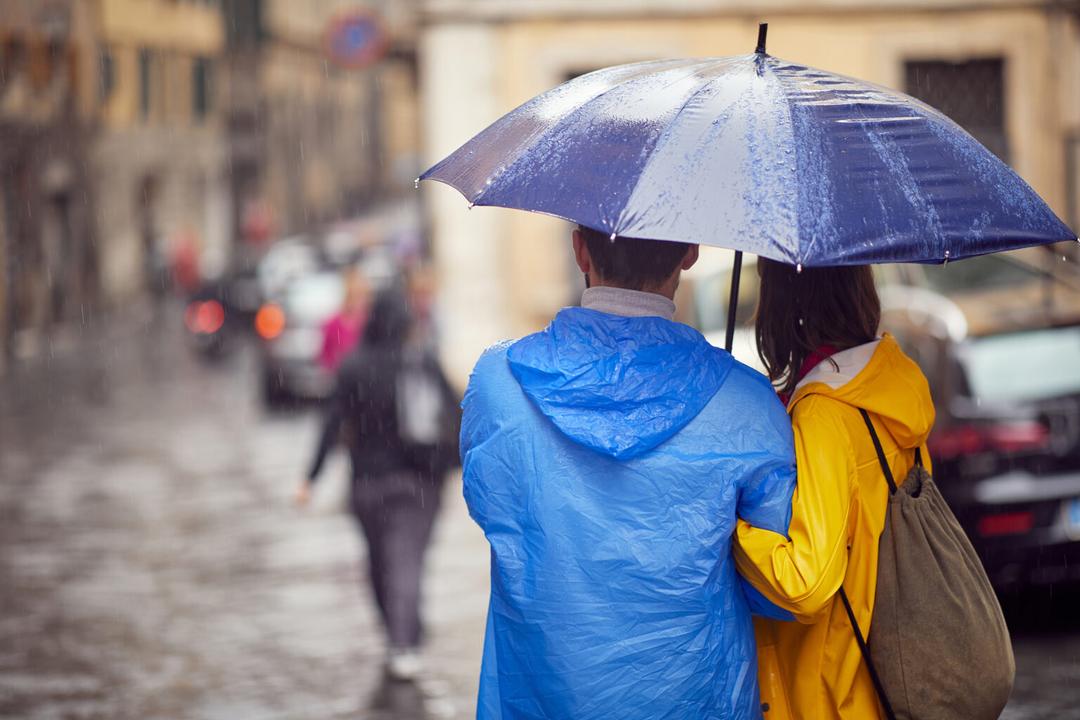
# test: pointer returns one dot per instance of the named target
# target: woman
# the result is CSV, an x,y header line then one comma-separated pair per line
x,y
817,333
399,419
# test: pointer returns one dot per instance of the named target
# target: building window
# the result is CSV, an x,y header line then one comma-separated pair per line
x,y
145,74
106,75
201,87
972,93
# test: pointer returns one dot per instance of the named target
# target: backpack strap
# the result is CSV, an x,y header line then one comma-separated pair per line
x,y
885,469
859,638
865,650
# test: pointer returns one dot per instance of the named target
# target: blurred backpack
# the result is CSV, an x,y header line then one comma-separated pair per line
x,y
939,648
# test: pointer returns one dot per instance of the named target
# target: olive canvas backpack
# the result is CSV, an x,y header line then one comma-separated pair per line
x,y
938,647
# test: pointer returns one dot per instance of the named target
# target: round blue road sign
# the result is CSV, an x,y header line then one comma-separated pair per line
x,y
355,40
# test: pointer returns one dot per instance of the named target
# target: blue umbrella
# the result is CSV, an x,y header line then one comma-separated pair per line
x,y
756,154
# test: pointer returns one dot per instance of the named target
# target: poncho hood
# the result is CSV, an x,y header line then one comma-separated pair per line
x,y
618,385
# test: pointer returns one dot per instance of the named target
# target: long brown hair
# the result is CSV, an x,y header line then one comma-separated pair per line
x,y
800,312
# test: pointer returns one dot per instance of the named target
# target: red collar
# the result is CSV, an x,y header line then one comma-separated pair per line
x,y
812,361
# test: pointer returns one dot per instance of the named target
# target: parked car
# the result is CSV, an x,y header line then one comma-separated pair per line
x,y
290,329
209,320
1002,354
286,260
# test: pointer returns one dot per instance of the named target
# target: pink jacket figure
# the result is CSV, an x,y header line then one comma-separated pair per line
x,y
343,331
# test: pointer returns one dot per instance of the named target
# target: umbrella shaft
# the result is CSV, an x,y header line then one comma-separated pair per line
x,y
733,300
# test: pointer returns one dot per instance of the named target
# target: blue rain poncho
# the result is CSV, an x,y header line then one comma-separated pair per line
x,y
606,459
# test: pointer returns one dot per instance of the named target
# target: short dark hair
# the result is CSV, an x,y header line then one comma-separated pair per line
x,y
633,263
800,311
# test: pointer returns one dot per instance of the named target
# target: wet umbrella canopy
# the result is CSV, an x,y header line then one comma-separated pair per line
x,y
755,154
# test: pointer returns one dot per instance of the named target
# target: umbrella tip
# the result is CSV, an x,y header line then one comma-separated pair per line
x,y
798,268
612,238
946,262
416,184
762,31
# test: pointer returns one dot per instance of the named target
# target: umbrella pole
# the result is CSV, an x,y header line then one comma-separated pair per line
x,y
733,301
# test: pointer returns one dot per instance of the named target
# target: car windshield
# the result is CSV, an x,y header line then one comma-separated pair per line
x,y
283,263
1029,365
314,299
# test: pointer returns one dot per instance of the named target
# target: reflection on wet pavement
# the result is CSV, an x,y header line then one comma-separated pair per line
x,y
151,565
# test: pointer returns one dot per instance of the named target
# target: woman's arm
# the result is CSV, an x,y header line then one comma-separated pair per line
x,y
345,399
803,571
331,428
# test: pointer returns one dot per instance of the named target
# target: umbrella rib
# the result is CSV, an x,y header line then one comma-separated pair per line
x,y
551,129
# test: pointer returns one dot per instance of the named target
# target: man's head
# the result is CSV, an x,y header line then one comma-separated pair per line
x,y
632,263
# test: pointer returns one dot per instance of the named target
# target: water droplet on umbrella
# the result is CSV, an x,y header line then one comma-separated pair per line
x,y
946,258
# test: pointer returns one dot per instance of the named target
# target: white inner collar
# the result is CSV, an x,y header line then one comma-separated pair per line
x,y
848,364
628,303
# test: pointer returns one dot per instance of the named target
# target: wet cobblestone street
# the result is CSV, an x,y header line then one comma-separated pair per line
x,y
152,565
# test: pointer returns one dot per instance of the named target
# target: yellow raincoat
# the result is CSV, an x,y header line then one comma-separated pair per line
x,y
812,669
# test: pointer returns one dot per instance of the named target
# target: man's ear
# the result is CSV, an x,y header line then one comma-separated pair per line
x,y
581,252
691,257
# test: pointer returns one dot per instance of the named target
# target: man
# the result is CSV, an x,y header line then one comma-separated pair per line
x,y
607,459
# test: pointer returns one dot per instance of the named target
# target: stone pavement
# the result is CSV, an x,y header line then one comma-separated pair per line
x,y
152,566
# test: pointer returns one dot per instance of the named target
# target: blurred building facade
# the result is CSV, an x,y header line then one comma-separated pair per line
x,y
158,157
113,154
312,140
1007,70
138,130
47,263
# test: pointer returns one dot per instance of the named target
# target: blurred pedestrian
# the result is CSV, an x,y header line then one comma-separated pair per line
x,y
399,419
184,261
343,330
817,333
607,459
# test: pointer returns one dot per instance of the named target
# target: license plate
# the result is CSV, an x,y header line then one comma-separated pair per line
x,y
1072,518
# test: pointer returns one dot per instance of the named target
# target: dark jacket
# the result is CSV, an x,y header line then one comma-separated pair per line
x,y
363,410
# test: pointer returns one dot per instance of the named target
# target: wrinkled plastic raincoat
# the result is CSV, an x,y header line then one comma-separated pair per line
x,y
815,671
607,459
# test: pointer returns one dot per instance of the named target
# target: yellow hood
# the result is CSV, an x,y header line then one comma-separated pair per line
x,y
879,378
